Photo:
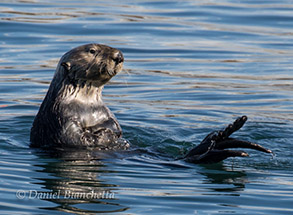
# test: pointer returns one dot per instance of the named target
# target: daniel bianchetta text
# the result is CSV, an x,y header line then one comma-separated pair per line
x,y
67,194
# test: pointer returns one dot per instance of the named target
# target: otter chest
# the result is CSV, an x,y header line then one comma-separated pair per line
x,y
88,116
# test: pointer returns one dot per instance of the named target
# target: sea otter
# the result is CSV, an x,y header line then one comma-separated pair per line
x,y
73,114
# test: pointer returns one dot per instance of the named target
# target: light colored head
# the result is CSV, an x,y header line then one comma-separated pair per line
x,y
93,63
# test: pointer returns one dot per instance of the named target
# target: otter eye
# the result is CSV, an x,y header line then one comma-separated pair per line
x,y
92,51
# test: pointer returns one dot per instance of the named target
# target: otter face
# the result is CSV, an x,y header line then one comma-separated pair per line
x,y
92,62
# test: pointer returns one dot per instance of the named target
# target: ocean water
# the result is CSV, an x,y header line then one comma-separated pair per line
x,y
191,67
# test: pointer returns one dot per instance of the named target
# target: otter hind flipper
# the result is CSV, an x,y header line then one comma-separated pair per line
x,y
214,147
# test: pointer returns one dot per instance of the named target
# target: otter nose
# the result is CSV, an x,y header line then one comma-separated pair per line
x,y
118,57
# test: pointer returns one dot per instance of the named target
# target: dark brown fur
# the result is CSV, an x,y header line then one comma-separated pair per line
x,y
73,113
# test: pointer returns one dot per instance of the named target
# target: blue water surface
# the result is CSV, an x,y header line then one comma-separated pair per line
x,y
190,67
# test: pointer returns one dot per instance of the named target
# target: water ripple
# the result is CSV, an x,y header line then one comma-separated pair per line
x,y
190,68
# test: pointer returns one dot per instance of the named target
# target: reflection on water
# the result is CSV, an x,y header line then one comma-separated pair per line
x,y
72,180
77,182
190,67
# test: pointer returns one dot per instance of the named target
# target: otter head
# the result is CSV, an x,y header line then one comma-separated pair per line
x,y
93,63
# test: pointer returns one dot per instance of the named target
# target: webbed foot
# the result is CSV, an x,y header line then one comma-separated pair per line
x,y
214,147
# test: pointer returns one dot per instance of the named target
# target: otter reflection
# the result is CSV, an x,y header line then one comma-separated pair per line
x,y
76,181
85,172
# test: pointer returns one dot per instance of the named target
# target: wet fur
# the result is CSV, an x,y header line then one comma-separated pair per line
x,y
73,114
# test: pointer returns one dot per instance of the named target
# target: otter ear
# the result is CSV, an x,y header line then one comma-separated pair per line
x,y
66,65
